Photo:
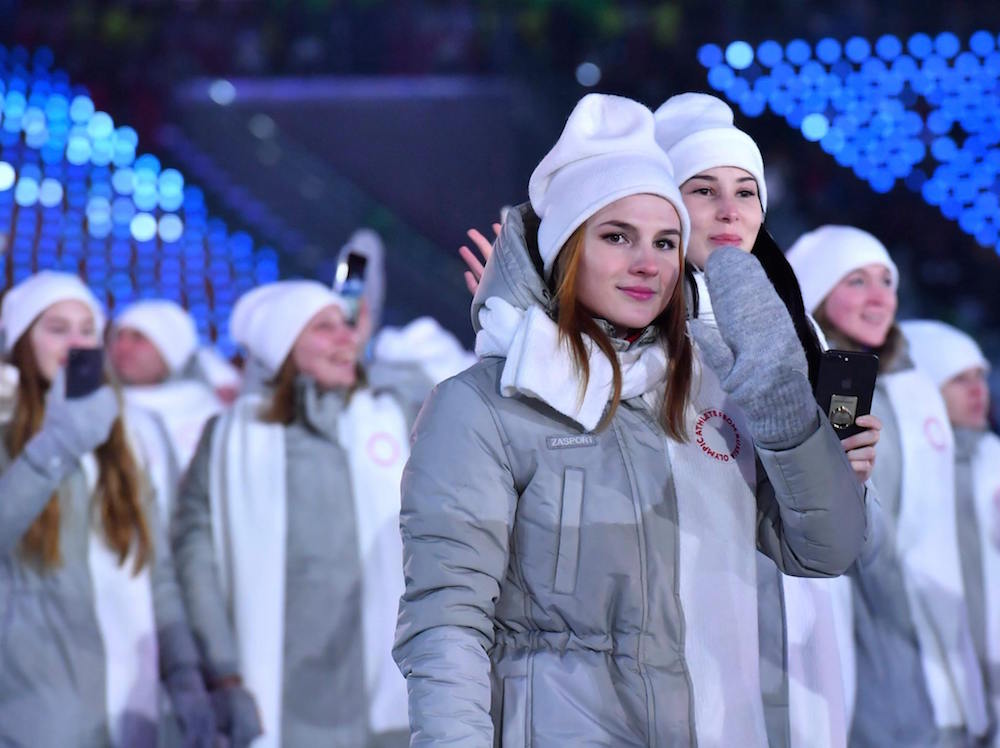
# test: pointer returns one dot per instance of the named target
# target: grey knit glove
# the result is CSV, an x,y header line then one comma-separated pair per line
x,y
236,715
71,428
192,706
755,351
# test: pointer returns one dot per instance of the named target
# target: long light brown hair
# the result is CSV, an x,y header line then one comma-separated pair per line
x,y
118,484
282,406
574,321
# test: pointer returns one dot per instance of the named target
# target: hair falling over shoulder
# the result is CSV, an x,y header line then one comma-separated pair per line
x,y
119,494
574,322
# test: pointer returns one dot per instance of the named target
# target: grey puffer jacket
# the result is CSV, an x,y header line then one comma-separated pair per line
x,y
52,657
542,602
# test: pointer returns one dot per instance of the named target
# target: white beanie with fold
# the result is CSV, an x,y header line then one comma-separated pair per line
x,y
697,132
24,302
167,325
268,319
940,350
607,151
822,257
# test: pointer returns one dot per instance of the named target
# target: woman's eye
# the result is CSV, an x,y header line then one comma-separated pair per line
x,y
747,193
666,244
616,238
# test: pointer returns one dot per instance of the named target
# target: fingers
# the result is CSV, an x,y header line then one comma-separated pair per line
x,y
862,461
862,469
484,245
867,438
473,263
869,422
476,268
471,283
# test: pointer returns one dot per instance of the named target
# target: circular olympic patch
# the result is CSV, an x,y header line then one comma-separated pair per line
x,y
723,441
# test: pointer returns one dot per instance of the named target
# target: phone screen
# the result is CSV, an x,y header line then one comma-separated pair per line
x,y
350,281
84,371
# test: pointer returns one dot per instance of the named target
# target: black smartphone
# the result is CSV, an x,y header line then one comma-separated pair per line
x,y
84,371
350,282
844,388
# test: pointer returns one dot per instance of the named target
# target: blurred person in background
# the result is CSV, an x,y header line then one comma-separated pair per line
x,y
532,551
93,618
287,533
414,357
153,347
956,364
917,678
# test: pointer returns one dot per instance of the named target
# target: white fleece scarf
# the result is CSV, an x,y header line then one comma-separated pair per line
x,y
249,525
986,485
184,405
715,478
928,547
539,365
124,607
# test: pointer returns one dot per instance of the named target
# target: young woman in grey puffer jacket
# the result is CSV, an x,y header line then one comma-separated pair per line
x,y
91,618
580,509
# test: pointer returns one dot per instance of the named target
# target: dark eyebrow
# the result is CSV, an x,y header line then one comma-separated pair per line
x,y
629,227
618,225
710,178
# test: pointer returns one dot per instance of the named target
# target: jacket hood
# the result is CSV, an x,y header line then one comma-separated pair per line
x,y
514,272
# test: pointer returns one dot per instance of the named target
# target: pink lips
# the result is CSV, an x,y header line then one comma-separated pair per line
x,y
639,293
726,240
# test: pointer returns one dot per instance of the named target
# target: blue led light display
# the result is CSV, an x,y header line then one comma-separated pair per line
x,y
77,194
922,111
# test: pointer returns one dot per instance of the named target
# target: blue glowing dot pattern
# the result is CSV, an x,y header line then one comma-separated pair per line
x,y
77,195
923,111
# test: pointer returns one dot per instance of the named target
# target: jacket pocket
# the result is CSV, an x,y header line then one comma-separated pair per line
x,y
568,555
514,730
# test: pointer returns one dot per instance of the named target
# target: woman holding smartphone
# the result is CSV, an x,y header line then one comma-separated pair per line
x,y
93,619
287,533
580,508
917,679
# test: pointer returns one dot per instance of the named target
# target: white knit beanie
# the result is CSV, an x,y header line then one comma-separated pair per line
x,y
822,257
940,350
167,325
24,302
607,151
697,132
268,319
